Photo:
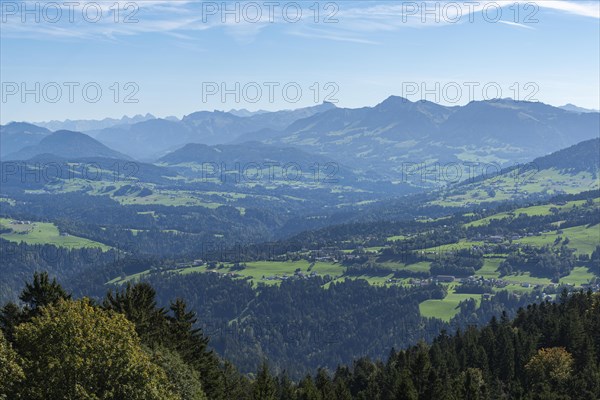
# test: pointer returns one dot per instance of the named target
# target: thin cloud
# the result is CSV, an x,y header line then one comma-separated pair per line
x,y
331,36
516,24
584,8
358,21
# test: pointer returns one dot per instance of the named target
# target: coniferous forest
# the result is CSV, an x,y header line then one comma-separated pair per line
x,y
56,346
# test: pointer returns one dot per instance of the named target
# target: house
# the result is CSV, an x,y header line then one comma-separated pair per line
x,y
445,278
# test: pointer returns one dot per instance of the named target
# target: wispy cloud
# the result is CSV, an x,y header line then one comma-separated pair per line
x,y
358,21
583,8
516,24
328,35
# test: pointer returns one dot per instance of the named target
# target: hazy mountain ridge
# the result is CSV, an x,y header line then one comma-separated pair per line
x,y
85,125
153,138
17,135
398,131
574,108
582,157
69,145
254,154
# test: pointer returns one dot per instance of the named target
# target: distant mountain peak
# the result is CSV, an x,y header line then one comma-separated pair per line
x,y
23,127
242,112
573,108
88,125
395,100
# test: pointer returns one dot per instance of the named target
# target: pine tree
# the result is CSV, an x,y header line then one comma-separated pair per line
x,y
191,344
324,384
264,387
138,303
307,389
41,292
286,390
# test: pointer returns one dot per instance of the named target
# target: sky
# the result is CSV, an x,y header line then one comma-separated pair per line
x,y
96,59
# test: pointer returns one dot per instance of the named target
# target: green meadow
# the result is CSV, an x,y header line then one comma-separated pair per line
x,y
44,233
446,308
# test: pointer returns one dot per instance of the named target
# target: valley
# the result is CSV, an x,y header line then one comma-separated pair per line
x,y
354,200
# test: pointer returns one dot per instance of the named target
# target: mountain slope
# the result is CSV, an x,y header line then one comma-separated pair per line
x,y
572,170
242,153
17,135
574,108
145,139
155,137
69,145
193,158
398,132
582,157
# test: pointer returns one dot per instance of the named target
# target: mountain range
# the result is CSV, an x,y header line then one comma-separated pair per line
x,y
153,138
379,141
250,156
397,131
86,125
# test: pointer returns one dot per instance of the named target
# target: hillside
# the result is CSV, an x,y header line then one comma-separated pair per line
x,y
582,157
17,135
398,132
571,170
67,144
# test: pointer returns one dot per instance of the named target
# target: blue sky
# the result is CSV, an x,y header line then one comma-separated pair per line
x,y
175,57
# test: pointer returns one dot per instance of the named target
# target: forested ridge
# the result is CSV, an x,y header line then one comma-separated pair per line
x,y
53,346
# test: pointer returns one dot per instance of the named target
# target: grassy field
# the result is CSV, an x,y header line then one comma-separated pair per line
x,y
44,233
397,237
531,211
422,266
167,199
258,270
7,200
510,186
446,308
578,276
490,267
445,248
129,278
516,288
584,240
526,277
